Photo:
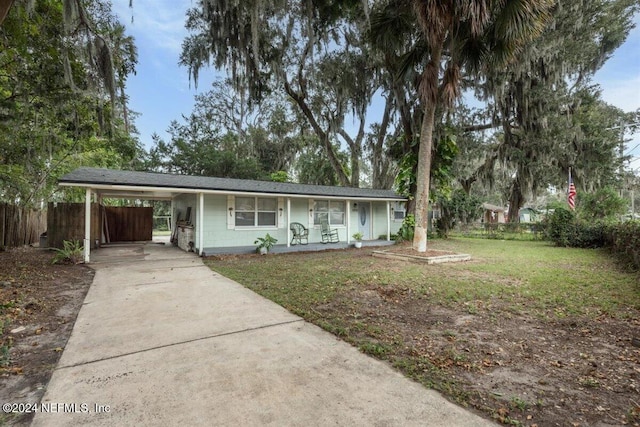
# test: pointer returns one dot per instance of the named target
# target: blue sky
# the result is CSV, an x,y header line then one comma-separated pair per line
x,y
161,91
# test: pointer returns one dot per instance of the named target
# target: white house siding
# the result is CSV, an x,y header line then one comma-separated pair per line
x,y
181,203
220,230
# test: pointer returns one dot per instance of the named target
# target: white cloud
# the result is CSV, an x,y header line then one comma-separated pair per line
x,y
624,94
158,24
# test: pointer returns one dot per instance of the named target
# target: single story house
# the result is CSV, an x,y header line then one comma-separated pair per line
x,y
493,214
222,212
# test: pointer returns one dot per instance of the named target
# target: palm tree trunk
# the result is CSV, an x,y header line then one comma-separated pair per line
x,y
423,178
429,88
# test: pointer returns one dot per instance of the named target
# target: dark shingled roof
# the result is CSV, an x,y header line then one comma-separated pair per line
x,y
94,176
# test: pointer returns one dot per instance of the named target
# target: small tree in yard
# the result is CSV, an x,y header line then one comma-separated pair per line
x,y
604,204
458,208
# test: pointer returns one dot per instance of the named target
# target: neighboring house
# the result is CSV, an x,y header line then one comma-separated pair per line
x,y
493,214
528,215
225,213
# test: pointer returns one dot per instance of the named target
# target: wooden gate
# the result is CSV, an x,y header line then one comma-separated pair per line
x,y
128,224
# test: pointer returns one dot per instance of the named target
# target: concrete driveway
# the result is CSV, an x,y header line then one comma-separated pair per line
x,y
163,340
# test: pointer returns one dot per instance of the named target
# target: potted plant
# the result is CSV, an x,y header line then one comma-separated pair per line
x,y
358,237
265,244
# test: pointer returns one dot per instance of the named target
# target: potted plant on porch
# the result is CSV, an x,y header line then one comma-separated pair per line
x,y
265,244
358,236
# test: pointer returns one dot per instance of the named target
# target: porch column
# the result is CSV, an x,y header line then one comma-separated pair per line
x,y
171,224
348,222
201,223
388,220
288,221
87,225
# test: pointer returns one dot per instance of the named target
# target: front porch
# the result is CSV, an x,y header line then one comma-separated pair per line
x,y
281,249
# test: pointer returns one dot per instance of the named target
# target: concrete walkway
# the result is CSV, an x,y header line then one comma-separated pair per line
x,y
163,340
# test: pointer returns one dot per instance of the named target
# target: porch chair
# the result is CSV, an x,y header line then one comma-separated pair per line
x,y
300,233
328,235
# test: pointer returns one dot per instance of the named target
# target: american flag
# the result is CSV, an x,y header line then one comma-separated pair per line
x,y
571,199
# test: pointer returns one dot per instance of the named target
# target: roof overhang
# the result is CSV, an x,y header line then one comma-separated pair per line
x,y
168,193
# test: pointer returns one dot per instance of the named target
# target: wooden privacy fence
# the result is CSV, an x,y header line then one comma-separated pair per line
x,y
108,224
20,226
128,224
65,221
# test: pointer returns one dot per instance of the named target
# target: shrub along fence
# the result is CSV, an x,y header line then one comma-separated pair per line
x,y
20,226
564,229
624,240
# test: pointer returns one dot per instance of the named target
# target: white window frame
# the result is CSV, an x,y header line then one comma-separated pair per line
x,y
329,203
256,212
399,207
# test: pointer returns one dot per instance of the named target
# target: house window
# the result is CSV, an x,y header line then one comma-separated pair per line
x,y
256,212
332,211
399,211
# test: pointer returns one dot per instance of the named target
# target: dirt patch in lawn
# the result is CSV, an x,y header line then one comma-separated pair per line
x,y
39,303
515,368
508,355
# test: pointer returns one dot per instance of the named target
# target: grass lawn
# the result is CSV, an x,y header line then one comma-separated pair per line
x,y
525,333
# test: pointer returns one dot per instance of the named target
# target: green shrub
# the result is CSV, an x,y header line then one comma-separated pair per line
x,y
624,241
560,227
407,229
564,229
71,252
604,204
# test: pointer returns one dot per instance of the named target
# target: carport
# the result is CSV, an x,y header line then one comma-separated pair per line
x,y
121,224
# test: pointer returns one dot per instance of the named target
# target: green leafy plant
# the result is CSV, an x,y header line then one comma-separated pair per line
x,y
358,236
265,242
604,204
71,252
406,229
624,240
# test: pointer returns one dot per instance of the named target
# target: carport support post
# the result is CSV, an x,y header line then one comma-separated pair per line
x,y
87,225
289,221
388,220
201,223
348,222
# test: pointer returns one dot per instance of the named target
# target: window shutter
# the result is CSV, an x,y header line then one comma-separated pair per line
x,y
231,210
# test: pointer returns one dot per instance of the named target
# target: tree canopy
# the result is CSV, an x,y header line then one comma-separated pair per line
x,y
56,113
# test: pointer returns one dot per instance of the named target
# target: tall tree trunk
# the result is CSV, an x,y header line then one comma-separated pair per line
x,y
516,200
5,6
423,178
429,89
380,167
125,112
